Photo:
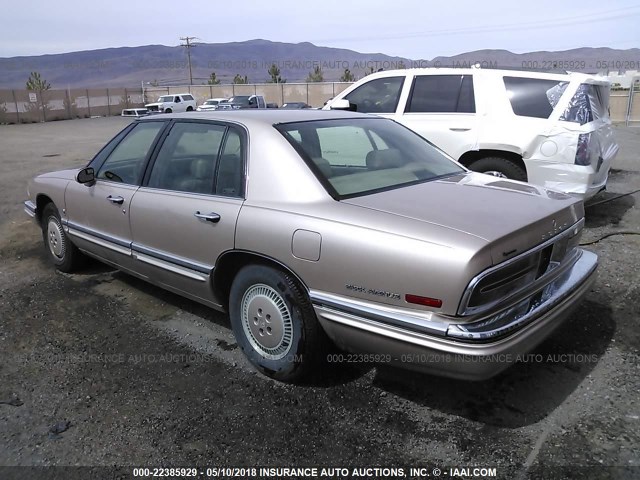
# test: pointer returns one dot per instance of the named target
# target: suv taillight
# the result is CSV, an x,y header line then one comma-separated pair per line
x,y
588,149
582,152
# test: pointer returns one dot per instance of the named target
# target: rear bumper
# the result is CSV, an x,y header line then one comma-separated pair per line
x,y
576,180
440,348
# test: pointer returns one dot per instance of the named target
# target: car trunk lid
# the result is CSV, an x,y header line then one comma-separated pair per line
x,y
511,217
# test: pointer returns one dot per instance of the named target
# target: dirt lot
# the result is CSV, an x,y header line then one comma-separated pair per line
x,y
147,378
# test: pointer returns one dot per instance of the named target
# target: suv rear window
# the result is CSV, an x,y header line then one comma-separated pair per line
x,y
533,97
442,93
589,103
187,97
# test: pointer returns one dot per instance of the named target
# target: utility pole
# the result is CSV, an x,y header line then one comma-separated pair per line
x,y
188,45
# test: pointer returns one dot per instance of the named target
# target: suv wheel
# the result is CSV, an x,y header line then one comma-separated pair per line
x,y
189,109
274,323
499,167
168,110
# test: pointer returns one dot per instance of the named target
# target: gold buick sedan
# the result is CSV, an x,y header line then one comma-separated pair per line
x,y
309,225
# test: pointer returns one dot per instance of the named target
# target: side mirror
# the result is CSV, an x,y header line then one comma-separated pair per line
x,y
86,176
343,104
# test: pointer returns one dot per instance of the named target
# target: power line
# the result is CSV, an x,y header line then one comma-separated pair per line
x,y
594,17
188,45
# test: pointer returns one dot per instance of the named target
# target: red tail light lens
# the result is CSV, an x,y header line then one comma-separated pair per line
x,y
426,301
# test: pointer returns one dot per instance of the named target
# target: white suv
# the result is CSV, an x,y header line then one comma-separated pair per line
x,y
552,130
180,102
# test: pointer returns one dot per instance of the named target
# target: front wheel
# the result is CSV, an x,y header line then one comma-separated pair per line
x,y
274,323
61,251
499,167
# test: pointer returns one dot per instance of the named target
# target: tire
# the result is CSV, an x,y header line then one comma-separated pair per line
x,y
189,109
61,251
274,323
168,110
499,167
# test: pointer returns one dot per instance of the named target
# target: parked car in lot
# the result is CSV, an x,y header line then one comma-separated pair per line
x,y
295,105
134,112
211,104
181,102
308,223
548,129
239,102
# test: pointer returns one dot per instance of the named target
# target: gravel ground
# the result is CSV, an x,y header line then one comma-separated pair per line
x,y
100,369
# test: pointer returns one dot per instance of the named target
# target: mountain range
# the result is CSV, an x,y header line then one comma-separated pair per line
x,y
165,65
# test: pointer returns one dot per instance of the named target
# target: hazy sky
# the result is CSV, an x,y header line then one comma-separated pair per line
x,y
408,28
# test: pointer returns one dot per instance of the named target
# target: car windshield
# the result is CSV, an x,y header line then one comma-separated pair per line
x,y
240,99
357,156
167,98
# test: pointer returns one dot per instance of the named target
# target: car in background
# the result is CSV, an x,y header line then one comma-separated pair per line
x,y
307,224
134,112
211,104
295,105
239,102
180,102
549,129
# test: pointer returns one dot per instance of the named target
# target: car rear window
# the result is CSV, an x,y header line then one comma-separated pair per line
x,y
353,157
533,97
589,103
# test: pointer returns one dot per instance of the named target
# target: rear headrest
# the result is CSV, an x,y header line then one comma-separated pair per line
x,y
389,158
200,168
324,166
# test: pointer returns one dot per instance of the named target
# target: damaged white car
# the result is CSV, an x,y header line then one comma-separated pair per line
x,y
548,129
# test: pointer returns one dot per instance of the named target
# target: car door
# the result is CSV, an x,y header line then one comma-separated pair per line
x,y
442,109
98,214
184,216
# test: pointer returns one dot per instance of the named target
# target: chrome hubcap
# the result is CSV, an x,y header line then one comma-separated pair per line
x,y
55,238
266,321
496,173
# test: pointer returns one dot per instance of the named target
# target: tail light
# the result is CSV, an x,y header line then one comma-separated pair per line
x,y
588,149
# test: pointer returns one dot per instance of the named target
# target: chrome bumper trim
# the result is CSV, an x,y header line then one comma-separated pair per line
x,y
389,321
420,322
531,307
30,208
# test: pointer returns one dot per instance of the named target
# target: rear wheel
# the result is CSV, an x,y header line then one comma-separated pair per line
x,y
168,110
189,109
61,251
499,167
274,323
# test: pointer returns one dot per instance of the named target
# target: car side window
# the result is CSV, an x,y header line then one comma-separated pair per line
x,y
126,161
377,96
177,100
442,94
533,97
187,159
229,178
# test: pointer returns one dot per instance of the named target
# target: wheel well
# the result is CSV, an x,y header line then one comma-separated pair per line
x,y
41,202
469,157
230,264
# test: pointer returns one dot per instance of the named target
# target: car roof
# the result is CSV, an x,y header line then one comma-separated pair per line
x,y
267,116
485,72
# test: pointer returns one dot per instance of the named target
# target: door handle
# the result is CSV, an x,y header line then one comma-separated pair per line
x,y
116,200
209,217
453,129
